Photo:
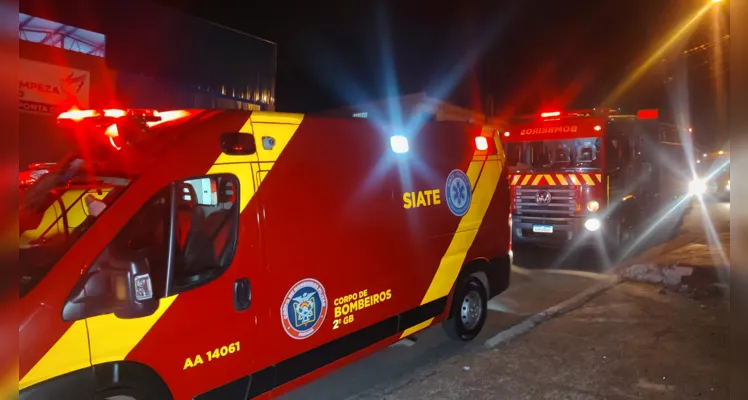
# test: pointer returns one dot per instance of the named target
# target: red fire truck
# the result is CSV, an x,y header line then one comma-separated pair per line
x,y
233,255
594,176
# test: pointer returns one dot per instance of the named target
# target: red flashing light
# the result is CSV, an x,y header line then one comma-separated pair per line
x,y
648,114
550,114
77,115
481,143
151,117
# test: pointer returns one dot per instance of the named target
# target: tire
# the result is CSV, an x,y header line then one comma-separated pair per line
x,y
121,394
468,313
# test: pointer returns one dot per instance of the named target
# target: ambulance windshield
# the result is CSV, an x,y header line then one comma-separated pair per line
x,y
56,210
554,154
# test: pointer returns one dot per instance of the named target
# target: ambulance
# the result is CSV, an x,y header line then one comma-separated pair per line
x,y
203,254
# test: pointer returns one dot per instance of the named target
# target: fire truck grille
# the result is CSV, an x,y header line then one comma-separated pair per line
x,y
559,210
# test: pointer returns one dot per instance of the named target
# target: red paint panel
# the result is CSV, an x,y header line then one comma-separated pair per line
x,y
334,212
493,234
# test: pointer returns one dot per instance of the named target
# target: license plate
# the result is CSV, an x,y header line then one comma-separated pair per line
x,y
542,228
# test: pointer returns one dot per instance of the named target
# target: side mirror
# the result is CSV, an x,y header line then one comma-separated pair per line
x,y
238,144
119,284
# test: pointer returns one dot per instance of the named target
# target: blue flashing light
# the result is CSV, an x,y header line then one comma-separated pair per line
x,y
399,144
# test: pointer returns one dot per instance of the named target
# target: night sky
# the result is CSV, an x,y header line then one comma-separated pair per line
x,y
527,55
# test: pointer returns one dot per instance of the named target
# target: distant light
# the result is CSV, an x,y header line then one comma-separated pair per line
x,y
704,154
598,128
697,187
698,161
481,143
716,1
399,144
550,114
690,130
506,134
361,115
720,152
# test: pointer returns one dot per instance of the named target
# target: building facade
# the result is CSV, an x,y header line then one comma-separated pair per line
x,y
133,54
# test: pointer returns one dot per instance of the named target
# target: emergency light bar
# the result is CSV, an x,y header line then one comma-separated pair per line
x,y
113,123
80,115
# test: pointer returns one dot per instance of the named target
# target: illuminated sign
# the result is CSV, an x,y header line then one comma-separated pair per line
x,y
549,129
51,89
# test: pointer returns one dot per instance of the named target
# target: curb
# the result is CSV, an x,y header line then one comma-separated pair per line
x,y
557,310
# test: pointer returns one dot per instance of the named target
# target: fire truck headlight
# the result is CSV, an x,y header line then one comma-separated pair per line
x,y
399,144
592,224
697,187
593,206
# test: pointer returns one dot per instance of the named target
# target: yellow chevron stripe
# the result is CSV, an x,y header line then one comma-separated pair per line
x,y
537,180
68,354
112,338
453,259
599,178
515,179
527,178
419,327
467,230
561,179
574,179
550,180
588,180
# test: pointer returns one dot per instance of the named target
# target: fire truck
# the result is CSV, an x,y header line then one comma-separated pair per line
x,y
593,177
206,254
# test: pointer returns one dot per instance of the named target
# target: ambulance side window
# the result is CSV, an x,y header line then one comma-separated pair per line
x,y
206,229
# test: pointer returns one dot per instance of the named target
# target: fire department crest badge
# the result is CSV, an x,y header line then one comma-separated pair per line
x,y
304,309
458,193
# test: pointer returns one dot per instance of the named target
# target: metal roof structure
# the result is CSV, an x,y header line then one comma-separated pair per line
x,y
55,34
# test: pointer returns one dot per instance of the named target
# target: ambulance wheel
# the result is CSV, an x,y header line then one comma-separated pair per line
x,y
121,394
469,309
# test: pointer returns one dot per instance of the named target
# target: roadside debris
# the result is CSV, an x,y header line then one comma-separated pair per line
x,y
652,273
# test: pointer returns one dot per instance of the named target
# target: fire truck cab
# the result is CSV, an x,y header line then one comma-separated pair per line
x,y
594,177
207,254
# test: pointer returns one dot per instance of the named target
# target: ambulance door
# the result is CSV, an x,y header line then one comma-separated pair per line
x,y
193,322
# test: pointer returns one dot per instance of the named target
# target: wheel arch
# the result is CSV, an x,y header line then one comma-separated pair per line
x,y
478,268
100,378
130,375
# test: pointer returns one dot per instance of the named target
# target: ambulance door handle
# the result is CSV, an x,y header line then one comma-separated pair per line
x,y
242,294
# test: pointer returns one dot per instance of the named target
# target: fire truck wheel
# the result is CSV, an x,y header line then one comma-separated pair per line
x,y
468,313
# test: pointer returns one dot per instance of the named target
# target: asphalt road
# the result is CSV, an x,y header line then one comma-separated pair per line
x,y
539,281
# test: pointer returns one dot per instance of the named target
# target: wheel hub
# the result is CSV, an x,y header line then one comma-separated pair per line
x,y
471,311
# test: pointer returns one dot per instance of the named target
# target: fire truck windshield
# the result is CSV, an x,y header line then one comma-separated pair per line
x,y
554,154
56,210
